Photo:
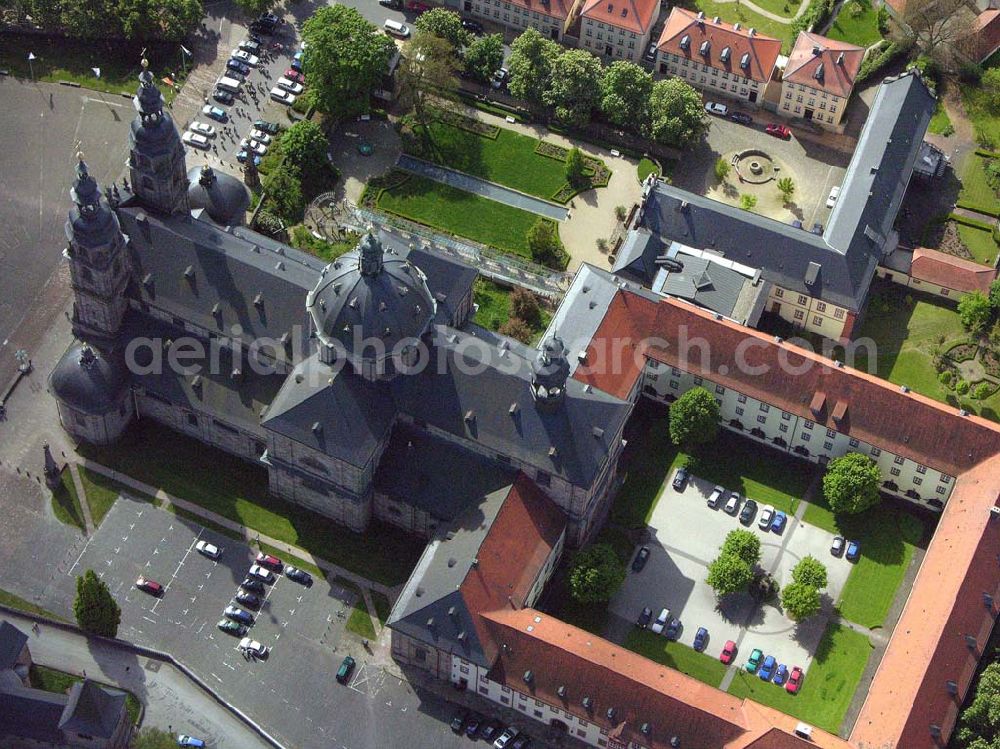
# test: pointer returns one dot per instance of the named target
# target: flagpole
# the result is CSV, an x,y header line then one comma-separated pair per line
x,y
31,65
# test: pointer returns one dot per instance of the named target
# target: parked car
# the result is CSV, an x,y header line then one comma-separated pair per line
x,y
714,107
209,550
184,740
202,128
260,136
753,663
249,45
345,670
252,647
396,4
268,560
728,652
223,97
271,128
243,56
282,97
767,668
237,614
650,55
490,731
149,586
300,576
673,629
258,572
837,548
853,551
290,86
499,79
831,199
270,18
644,617
781,675
733,503
458,723
417,7
253,146
255,586
295,75
258,27
246,598
766,516
243,156
748,512
473,27
797,224
296,64
778,131
794,681
778,523
505,738
473,725
715,497
680,479
216,113
661,621
640,559
817,228
741,117
521,742
231,627
700,639
195,139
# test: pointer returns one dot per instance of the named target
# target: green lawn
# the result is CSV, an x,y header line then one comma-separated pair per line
x,y
494,307
674,655
646,167
940,123
303,239
237,490
980,243
976,191
16,602
66,502
59,682
737,13
861,30
828,686
906,335
359,622
68,59
984,121
735,462
101,493
458,212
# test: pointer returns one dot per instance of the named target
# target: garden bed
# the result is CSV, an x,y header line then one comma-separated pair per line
x,y
962,352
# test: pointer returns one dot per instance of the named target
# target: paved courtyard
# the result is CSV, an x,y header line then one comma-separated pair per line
x,y
674,577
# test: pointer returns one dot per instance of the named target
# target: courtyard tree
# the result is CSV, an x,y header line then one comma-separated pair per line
x,y
850,484
153,738
742,544
543,241
810,571
975,312
428,68
625,92
445,24
304,147
517,329
979,725
800,601
990,84
676,114
748,202
727,574
575,165
94,607
484,57
283,186
595,574
530,64
936,27
722,169
524,305
346,59
694,418
573,90
255,7
786,187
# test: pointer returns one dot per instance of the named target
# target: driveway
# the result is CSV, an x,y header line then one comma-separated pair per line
x,y
685,536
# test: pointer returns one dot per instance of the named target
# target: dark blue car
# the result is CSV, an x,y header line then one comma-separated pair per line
x,y
853,551
778,522
700,639
767,668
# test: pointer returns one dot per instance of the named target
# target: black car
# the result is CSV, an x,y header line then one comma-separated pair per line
x,y
250,584
741,117
817,228
473,726
473,27
255,38
259,27
490,731
643,621
680,479
271,128
248,599
223,97
458,723
299,576
237,67
640,559
269,18
749,512
523,741
673,629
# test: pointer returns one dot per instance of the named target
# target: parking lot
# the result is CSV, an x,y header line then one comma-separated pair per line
x,y
674,577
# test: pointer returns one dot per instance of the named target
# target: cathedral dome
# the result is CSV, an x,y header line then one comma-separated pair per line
x,y
87,381
366,303
222,196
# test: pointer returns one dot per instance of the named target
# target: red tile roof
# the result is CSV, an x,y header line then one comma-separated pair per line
x,y
952,272
928,648
762,50
557,8
631,15
897,5
987,33
840,63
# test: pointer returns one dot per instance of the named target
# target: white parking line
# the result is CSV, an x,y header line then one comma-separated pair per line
x,y
82,552
150,620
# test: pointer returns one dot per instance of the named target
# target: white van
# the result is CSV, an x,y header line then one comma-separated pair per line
x,y
228,84
396,28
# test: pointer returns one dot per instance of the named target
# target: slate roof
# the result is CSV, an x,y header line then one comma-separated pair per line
x,y
703,282
631,15
448,280
93,710
89,381
824,64
636,256
30,713
859,226
12,642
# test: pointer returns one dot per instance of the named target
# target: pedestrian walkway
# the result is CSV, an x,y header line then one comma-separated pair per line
x,y
84,505
247,534
975,215
768,14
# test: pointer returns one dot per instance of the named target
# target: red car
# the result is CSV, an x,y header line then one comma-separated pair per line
x,y
794,681
295,75
268,561
149,586
728,652
417,7
779,131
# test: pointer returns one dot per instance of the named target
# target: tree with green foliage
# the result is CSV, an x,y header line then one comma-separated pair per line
x,y
446,24
979,725
153,738
722,169
283,186
136,20
975,312
810,571
694,418
786,187
573,90
518,329
94,607
748,202
676,114
596,573
625,92
428,69
850,484
990,84
800,601
304,146
346,59
524,305
727,574
982,391
484,57
531,58
268,223
255,7
575,165
742,544
543,241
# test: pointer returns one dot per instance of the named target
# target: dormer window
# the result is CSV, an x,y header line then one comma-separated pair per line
x,y
685,42
724,55
705,47
745,61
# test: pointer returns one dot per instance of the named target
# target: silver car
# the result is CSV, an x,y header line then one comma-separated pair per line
x,y
766,516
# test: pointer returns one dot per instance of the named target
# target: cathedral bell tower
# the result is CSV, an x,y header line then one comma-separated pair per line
x,y
98,262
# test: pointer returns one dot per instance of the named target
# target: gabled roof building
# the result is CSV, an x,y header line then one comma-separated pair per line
x,y
617,29
818,79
